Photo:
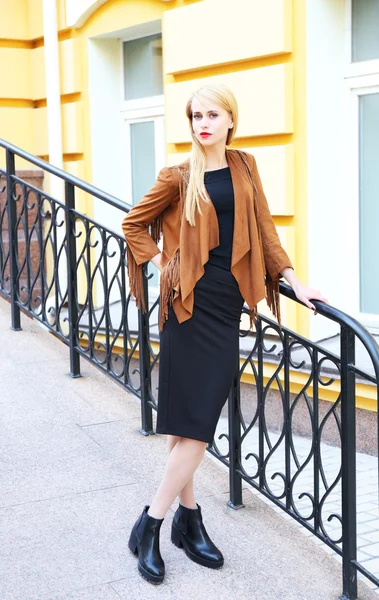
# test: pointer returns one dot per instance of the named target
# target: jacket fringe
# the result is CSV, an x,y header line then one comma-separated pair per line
x,y
272,285
135,272
253,314
135,275
156,228
170,276
273,297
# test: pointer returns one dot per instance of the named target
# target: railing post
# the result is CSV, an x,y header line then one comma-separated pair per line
x,y
348,442
12,240
144,361
316,441
72,283
235,479
287,425
260,405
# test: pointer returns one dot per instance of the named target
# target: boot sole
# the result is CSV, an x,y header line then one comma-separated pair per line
x,y
178,540
155,579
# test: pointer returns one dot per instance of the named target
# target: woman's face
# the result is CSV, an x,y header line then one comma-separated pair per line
x,y
210,122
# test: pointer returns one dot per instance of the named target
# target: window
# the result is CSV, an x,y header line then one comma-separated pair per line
x,y
364,30
142,150
142,112
362,79
369,202
143,67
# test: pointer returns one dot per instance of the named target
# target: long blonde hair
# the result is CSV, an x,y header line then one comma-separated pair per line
x,y
224,97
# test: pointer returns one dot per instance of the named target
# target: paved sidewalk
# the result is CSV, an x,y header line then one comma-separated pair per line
x,y
75,475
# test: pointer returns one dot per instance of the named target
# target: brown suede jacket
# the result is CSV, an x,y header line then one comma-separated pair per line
x,y
257,255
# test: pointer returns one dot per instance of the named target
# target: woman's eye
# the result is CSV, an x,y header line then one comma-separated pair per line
x,y
196,116
214,115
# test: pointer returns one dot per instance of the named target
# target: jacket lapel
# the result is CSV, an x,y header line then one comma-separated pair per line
x,y
196,242
242,202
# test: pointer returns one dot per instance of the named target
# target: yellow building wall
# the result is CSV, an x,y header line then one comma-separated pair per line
x,y
246,48
21,136
15,73
70,66
38,75
14,21
265,102
22,19
246,30
35,19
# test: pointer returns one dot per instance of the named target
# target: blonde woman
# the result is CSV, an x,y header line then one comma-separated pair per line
x,y
220,248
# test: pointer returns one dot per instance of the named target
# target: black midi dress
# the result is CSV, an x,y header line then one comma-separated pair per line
x,y
198,357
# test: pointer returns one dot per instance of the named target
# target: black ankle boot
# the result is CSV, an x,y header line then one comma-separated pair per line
x,y
188,531
144,542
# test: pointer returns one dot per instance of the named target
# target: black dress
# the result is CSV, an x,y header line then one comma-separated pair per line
x,y
198,357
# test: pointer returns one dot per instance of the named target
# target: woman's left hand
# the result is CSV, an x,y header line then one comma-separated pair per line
x,y
304,294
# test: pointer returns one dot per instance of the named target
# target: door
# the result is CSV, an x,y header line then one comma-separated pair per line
x,y
143,120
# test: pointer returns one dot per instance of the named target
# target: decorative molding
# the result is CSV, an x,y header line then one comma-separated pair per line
x,y
79,11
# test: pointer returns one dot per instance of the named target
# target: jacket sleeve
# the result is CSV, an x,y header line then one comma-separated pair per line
x,y
141,245
276,258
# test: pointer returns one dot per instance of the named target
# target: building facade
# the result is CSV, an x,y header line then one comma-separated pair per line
x,y
100,87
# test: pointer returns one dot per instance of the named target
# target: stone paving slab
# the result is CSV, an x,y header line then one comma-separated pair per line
x,y
75,475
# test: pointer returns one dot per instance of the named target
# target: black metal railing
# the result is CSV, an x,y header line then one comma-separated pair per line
x,y
68,271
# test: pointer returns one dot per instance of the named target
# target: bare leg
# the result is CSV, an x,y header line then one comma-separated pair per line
x,y
187,494
182,462
171,441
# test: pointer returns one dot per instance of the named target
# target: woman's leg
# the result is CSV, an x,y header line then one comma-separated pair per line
x,y
182,462
188,529
187,494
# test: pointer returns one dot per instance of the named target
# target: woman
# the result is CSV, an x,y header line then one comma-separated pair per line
x,y
219,243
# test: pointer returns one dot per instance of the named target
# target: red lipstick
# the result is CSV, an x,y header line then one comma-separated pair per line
x,y
205,135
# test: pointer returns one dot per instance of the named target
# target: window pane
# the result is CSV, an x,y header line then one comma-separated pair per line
x,y
143,158
369,202
365,30
143,168
143,67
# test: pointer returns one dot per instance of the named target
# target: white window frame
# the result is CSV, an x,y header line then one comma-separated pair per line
x,y
360,78
141,110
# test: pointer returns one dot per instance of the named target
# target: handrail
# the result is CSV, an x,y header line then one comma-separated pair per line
x,y
78,246
344,320
323,309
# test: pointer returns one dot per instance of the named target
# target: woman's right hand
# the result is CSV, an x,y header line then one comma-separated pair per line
x,y
156,260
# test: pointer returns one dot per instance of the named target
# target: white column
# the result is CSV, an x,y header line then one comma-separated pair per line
x,y
53,101
55,185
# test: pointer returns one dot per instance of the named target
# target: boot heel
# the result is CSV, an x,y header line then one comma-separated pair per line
x,y
175,537
133,547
